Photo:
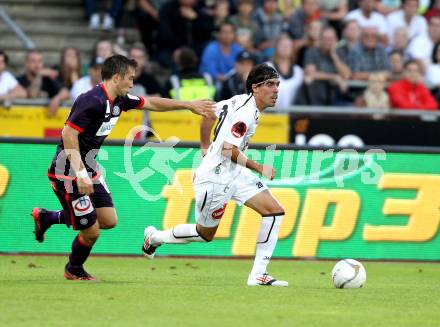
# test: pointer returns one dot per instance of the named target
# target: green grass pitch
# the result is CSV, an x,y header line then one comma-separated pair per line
x,y
212,292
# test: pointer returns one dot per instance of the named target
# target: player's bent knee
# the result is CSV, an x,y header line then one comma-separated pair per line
x,y
206,233
108,224
208,237
107,218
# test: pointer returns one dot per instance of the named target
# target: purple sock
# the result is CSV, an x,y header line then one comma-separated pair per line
x,y
80,252
53,217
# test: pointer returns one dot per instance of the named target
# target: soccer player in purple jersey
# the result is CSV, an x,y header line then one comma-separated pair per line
x,y
74,174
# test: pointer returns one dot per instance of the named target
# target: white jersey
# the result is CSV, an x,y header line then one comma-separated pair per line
x,y
238,120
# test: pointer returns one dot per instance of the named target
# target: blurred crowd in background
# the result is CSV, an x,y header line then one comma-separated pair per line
x,y
363,53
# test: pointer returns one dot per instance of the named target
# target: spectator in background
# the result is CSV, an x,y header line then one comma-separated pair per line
x,y
219,56
375,96
396,59
87,82
301,19
432,75
147,12
410,92
433,10
291,75
220,13
104,49
39,86
366,16
188,83
369,56
400,41
407,17
385,7
10,89
244,40
144,83
270,25
69,70
421,47
182,24
235,82
334,11
288,8
243,22
351,35
325,74
110,17
312,38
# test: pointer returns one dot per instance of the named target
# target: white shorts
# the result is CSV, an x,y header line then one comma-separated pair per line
x,y
211,199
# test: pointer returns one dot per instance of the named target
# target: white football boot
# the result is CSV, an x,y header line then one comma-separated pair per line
x,y
149,249
265,280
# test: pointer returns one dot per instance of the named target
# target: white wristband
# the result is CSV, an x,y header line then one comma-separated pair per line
x,y
82,174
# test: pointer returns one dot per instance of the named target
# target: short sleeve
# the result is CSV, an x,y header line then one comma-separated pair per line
x,y
84,111
131,102
240,123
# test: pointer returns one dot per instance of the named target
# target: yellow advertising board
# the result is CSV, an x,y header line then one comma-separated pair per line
x,y
185,125
30,121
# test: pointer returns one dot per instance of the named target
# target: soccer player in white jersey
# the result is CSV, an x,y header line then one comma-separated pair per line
x,y
225,173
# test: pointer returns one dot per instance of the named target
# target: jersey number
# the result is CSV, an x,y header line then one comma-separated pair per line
x,y
221,120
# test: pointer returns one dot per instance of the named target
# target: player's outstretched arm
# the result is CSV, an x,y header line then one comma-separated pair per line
x,y
71,146
199,107
205,132
232,152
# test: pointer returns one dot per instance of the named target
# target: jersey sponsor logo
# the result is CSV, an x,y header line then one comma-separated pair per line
x,y
218,214
107,127
239,129
82,206
116,111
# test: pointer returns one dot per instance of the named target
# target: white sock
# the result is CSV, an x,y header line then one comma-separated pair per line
x,y
184,233
266,241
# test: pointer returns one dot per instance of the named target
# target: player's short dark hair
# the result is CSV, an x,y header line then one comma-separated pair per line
x,y
5,56
117,64
260,73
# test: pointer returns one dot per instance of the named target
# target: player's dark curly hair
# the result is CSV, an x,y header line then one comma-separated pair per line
x,y
116,64
260,73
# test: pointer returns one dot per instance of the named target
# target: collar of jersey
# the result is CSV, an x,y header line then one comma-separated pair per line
x,y
106,93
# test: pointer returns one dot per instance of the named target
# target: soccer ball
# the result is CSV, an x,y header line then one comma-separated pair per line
x,y
348,273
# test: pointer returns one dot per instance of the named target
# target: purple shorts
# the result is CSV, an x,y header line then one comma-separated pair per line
x,y
81,208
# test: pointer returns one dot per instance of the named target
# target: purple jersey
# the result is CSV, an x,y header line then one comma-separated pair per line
x,y
93,115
